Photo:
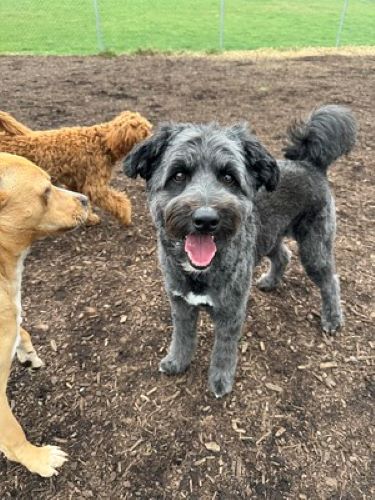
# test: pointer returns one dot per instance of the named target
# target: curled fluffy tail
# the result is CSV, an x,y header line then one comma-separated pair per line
x,y
11,126
328,133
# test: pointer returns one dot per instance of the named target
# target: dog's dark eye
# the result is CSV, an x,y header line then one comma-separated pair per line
x,y
46,194
179,177
228,179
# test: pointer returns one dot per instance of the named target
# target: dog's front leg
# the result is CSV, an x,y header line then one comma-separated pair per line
x,y
182,347
26,353
43,460
110,200
222,371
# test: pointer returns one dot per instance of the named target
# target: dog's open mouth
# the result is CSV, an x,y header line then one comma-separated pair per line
x,y
201,249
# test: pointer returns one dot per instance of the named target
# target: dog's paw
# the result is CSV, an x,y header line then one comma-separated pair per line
x,y
29,359
42,460
220,383
93,219
125,218
171,366
332,325
266,283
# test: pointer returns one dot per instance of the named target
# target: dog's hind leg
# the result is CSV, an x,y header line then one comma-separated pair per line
x,y
26,353
316,240
182,347
280,258
110,200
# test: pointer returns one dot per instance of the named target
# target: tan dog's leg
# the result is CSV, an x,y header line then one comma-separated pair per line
x,y
118,204
26,353
13,443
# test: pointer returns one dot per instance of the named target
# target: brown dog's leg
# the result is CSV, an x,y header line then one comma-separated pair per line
x,y
26,353
118,204
13,443
92,219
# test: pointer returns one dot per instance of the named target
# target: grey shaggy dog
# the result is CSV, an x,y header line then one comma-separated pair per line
x,y
220,202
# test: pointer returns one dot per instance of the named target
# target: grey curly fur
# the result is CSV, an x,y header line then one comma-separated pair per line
x,y
327,134
269,201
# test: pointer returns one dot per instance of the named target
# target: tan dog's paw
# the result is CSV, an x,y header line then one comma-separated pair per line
x,y
29,359
42,460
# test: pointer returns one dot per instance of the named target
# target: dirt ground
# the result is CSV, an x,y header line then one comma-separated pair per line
x,y
300,420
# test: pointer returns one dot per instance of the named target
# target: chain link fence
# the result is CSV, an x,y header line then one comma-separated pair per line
x,y
97,26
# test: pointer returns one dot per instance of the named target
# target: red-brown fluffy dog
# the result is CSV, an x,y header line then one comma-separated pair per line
x,y
81,158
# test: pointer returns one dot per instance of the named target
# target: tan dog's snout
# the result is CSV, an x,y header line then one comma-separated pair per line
x,y
81,198
65,210
84,201
84,204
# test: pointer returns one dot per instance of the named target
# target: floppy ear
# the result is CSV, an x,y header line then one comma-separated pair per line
x,y
259,162
126,130
144,159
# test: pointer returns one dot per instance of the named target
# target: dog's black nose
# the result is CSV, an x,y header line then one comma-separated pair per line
x,y
205,219
84,200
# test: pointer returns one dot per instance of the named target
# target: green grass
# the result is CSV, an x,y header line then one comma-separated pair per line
x,y
68,26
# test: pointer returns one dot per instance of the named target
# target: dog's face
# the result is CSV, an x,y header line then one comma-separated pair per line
x,y
201,182
30,206
126,130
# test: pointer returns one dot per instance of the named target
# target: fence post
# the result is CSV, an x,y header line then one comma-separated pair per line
x,y
221,29
342,20
98,25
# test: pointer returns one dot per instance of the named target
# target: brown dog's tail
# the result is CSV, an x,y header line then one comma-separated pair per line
x,y
11,126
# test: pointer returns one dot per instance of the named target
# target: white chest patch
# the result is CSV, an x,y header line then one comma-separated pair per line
x,y
198,300
17,288
195,300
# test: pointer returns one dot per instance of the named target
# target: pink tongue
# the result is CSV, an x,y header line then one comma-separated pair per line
x,y
200,249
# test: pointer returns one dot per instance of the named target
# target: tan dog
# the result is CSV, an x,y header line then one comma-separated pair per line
x,y
81,158
30,208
